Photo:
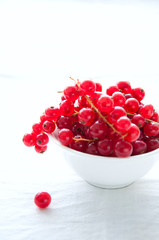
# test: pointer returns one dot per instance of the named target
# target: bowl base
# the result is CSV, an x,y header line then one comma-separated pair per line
x,y
110,186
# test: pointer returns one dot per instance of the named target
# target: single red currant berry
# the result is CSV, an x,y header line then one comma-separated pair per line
x,y
105,147
131,105
78,128
155,117
42,139
123,148
65,136
40,149
64,122
67,108
42,199
139,147
133,133
71,93
138,120
123,124
116,114
118,99
78,145
29,139
151,129
87,87
105,104
124,86
92,148
111,90
48,126
52,113
86,116
152,144
94,97
98,87
98,129
37,128
128,95
146,111
138,93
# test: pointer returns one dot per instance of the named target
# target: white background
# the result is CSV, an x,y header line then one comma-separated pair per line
x,y
42,43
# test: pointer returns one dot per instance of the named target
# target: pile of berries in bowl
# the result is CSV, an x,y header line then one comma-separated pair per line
x,y
109,137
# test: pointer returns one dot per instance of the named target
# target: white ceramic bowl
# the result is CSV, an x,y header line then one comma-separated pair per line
x,y
108,172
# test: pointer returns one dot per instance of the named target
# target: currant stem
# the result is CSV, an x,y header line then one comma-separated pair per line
x,y
131,114
99,113
83,139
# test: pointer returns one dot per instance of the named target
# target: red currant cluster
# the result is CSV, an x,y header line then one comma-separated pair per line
x,y
116,123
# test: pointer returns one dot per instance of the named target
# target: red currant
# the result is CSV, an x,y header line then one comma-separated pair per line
x,y
116,114
92,148
105,147
146,111
42,139
67,108
138,120
133,133
98,129
131,105
124,86
87,87
65,136
42,199
118,99
123,124
151,129
37,128
64,122
152,144
155,117
52,113
123,148
40,149
111,90
71,93
78,145
105,104
29,139
86,116
139,147
138,93
98,87
48,126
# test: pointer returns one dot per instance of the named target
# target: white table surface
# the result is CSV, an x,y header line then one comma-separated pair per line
x,y
42,43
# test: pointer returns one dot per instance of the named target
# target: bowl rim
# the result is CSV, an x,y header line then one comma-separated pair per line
x,y
99,156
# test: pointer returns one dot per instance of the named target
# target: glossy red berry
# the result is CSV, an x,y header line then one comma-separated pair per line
x,y
52,113
77,129
116,114
42,139
92,148
105,104
124,86
42,199
111,90
146,111
123,124
118,99
138,93
151,129
98,129
88,87
78,145
131,105
138,120
139,147
67,108
48,126
29,139
123,148
37,128
98,87
152,144
40,149
133,133
71,93
64,122
86,116
105,147
155,117
65,136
